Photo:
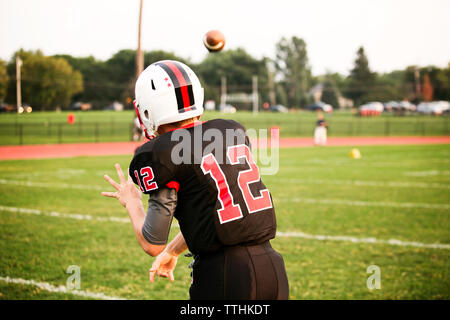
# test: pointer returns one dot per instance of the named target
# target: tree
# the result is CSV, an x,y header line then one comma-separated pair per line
x,y
292,66
47,82
113,79
419,80
361,79
99,88
438,81
4,79
238,67
330,93
427,88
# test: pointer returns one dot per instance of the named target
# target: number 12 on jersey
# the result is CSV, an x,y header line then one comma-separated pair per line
x,y
230,211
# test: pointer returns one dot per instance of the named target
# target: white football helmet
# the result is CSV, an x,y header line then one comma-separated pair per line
x,y
167,91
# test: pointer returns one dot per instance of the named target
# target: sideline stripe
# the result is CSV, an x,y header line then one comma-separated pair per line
x,y
279,233
394,242
443,206
60,289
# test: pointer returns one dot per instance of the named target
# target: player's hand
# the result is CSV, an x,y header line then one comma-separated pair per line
x,y
163,266
126,191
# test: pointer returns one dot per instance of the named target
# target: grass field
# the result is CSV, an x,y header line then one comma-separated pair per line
x,y
393,192
99,126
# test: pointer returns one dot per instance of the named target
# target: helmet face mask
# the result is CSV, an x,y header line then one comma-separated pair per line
x,y
150,133
167,91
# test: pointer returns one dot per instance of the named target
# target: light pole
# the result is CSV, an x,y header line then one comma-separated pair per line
x,y
18,84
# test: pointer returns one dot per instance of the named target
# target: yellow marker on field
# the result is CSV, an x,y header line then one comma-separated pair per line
x,y
355,154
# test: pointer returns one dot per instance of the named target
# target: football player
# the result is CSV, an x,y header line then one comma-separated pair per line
x,y
212,186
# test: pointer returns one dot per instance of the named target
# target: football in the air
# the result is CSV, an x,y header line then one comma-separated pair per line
x,y
214,40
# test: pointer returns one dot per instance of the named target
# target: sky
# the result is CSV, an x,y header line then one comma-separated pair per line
x,y
394,33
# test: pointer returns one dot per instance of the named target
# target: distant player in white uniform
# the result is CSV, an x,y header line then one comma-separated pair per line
x,y
320,132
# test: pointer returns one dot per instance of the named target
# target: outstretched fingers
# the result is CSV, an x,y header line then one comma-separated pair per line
x,y
171,277
110,194
120,173
112,182
152,275
153,270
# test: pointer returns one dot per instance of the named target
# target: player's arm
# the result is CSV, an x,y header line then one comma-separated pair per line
x,y
138,217
165,262
177,246
151,230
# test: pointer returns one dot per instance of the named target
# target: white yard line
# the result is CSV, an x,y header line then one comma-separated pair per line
x,y
439,206
56,185
363,240
60,289
76,216
370,183
294,234
362,183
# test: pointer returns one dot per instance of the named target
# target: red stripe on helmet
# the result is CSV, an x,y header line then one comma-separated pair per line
x,y
181,81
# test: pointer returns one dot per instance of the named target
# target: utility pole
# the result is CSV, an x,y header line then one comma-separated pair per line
x,y
270,75
223,92
18,84
139,53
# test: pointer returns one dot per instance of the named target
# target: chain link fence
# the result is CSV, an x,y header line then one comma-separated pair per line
x,y
60,132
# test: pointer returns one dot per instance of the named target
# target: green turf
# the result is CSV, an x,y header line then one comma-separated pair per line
x,y
40,247
99,126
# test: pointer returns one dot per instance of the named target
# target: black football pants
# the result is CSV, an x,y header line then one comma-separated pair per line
x,y
240,273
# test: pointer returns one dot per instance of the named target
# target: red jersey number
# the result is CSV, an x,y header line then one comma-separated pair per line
x,y
147,176
246,177
229,210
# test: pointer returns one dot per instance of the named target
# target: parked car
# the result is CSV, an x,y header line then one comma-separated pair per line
x,y
7,108
320,106
115,106
279,108
407,106
391,106
435,107
81,106
371,109
228,108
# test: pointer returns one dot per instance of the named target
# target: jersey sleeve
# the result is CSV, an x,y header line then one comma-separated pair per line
x,y
151,169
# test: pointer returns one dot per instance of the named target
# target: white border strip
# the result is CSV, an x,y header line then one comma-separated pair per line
x,y
60,289
279,233
394,242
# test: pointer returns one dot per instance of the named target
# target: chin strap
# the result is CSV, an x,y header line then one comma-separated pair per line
x,y
147,135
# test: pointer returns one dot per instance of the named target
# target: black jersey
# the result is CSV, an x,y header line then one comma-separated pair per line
x,y
221,198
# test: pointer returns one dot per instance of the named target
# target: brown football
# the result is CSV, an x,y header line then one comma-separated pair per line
x,y
214,40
